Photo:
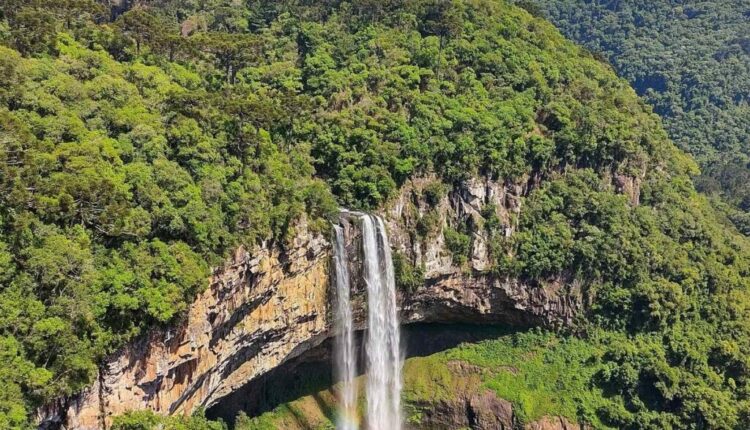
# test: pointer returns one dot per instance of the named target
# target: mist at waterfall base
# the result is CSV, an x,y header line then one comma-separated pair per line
x,y
382,337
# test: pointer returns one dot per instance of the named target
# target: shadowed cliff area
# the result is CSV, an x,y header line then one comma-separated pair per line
x,y
524,380
311,373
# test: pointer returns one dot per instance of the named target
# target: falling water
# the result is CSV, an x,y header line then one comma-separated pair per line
x,y
383,344
393,328
383,338
346,365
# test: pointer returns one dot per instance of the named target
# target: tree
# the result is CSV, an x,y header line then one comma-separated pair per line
x,y
145,27
231,52
442,18
33,30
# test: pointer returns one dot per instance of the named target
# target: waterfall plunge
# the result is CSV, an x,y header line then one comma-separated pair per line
x,y
346,365
383,343
383,337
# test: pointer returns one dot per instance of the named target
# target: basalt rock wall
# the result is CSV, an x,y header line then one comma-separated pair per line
x,y
268,306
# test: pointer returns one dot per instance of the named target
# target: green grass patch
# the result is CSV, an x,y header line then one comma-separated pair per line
x,y
541,374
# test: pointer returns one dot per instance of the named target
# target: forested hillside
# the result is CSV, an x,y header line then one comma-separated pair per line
x,y
690,60
139,145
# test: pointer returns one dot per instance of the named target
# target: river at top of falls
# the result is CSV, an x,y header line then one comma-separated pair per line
x,y
383,339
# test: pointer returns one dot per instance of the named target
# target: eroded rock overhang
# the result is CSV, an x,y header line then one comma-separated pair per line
x,y
267,307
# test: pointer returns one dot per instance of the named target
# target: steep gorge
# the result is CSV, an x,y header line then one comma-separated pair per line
x,y
137,151
265,308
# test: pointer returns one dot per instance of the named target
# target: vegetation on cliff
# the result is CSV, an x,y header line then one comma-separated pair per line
x,y
147,420
138,147
690,60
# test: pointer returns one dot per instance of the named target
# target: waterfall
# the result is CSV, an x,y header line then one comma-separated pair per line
x,y
393,328
383,340
383,337
346,366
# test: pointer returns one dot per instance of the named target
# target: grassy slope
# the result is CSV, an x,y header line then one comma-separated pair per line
x,y
541,374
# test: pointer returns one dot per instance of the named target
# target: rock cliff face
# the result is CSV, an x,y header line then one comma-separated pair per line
x,y
267,307
469,293
259,311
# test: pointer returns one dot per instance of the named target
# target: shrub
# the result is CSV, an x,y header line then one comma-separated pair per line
x,y
459,244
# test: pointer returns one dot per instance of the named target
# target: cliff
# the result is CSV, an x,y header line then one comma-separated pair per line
x,y
264,308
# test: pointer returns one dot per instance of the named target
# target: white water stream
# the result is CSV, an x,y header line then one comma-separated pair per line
x,y
383,338
346,364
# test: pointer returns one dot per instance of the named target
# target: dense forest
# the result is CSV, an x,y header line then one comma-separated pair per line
x,y
140,143
690,60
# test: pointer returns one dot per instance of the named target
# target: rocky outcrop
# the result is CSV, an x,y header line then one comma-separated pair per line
x,y
470,293
483,410
267,307
259,311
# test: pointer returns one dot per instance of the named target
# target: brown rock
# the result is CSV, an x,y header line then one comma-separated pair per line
x,y
553,423
488,412
265,308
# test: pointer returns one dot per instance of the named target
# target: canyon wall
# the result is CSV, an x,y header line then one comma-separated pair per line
x,y
259,311
267,307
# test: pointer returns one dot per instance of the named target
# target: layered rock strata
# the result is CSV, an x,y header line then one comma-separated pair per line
x,y
267,307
